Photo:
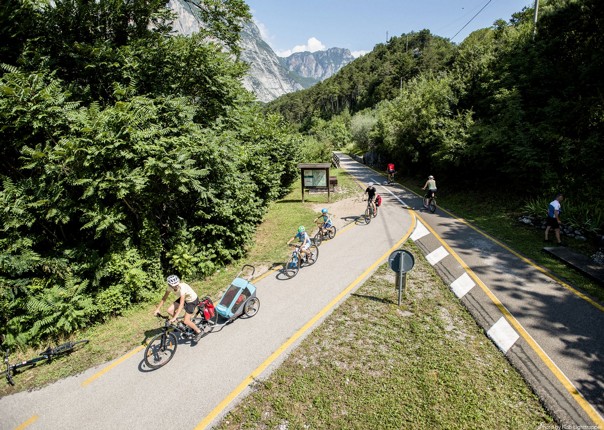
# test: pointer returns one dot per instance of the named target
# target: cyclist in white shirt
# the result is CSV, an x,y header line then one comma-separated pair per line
x,y
431,186
187,300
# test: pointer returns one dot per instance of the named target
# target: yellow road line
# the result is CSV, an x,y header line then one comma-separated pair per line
x,y
258,371
111,366
27,423
526,260
568,385
539,268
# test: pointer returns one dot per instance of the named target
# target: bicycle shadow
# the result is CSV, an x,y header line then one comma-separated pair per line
x,y
357,219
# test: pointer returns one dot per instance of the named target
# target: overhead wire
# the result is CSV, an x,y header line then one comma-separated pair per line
x,y
471,19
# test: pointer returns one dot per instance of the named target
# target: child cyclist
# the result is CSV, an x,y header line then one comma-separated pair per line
x,y
304,239
325,218
187,300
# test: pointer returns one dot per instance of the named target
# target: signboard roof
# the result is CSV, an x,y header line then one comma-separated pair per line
x,y
314,165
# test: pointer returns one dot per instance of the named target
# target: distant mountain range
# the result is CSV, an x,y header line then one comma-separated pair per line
x,y
271,76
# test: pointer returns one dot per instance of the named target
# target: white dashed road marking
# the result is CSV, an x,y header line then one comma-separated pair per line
x,y
503,335
462,285
419,232
437,255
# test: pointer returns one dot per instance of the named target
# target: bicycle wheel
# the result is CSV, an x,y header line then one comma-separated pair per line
x,y
331,232
367,216
251,307
292,267
313,255
160,350
432,205
318,238
67,347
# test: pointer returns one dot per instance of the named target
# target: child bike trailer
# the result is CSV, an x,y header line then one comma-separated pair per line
x,y
240,298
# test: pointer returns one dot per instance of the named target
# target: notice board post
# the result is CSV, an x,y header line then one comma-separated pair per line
x,y
315,175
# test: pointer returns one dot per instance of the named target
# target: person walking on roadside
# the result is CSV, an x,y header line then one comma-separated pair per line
x,y
553,218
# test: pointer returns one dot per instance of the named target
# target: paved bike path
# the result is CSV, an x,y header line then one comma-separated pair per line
x,y
203,380
552,333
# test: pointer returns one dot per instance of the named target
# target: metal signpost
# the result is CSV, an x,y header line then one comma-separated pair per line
x,y
401,262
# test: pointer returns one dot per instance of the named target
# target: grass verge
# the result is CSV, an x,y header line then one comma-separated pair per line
x,y
375,365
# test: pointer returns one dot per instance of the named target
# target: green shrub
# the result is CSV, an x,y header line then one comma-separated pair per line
x,y
582,215
101,202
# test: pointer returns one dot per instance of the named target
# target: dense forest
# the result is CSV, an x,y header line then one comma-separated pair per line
x,y
516,108
128,152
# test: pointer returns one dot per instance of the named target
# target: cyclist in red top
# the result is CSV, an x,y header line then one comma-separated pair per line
x,y
390,170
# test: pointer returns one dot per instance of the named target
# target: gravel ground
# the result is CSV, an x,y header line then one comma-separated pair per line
x,y
345,211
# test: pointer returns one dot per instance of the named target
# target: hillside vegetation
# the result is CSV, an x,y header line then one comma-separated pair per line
x,y
128,152
512,109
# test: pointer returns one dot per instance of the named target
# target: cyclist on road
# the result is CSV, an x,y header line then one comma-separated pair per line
x,y
187,300
304,239
390,171
326,218
431,186
370,191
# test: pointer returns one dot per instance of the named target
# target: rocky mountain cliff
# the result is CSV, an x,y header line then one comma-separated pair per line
x,y
267,78
319,65
271,76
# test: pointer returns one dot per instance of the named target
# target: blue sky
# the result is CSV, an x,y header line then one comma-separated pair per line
x,y
312,25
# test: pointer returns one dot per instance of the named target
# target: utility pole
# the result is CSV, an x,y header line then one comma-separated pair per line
x,y
535,18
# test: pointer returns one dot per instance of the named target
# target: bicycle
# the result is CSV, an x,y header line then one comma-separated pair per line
x,y
324,233
47,355
370,212
430,203
390,177
295,262
162,347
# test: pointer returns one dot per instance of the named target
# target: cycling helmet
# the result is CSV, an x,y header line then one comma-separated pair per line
x,y
173,280
301,229
370,184
323,211
430,177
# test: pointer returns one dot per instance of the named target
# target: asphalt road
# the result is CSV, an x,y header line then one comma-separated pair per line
x,y
549,332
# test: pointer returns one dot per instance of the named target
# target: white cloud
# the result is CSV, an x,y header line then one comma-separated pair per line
x,y
357,54
312,45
